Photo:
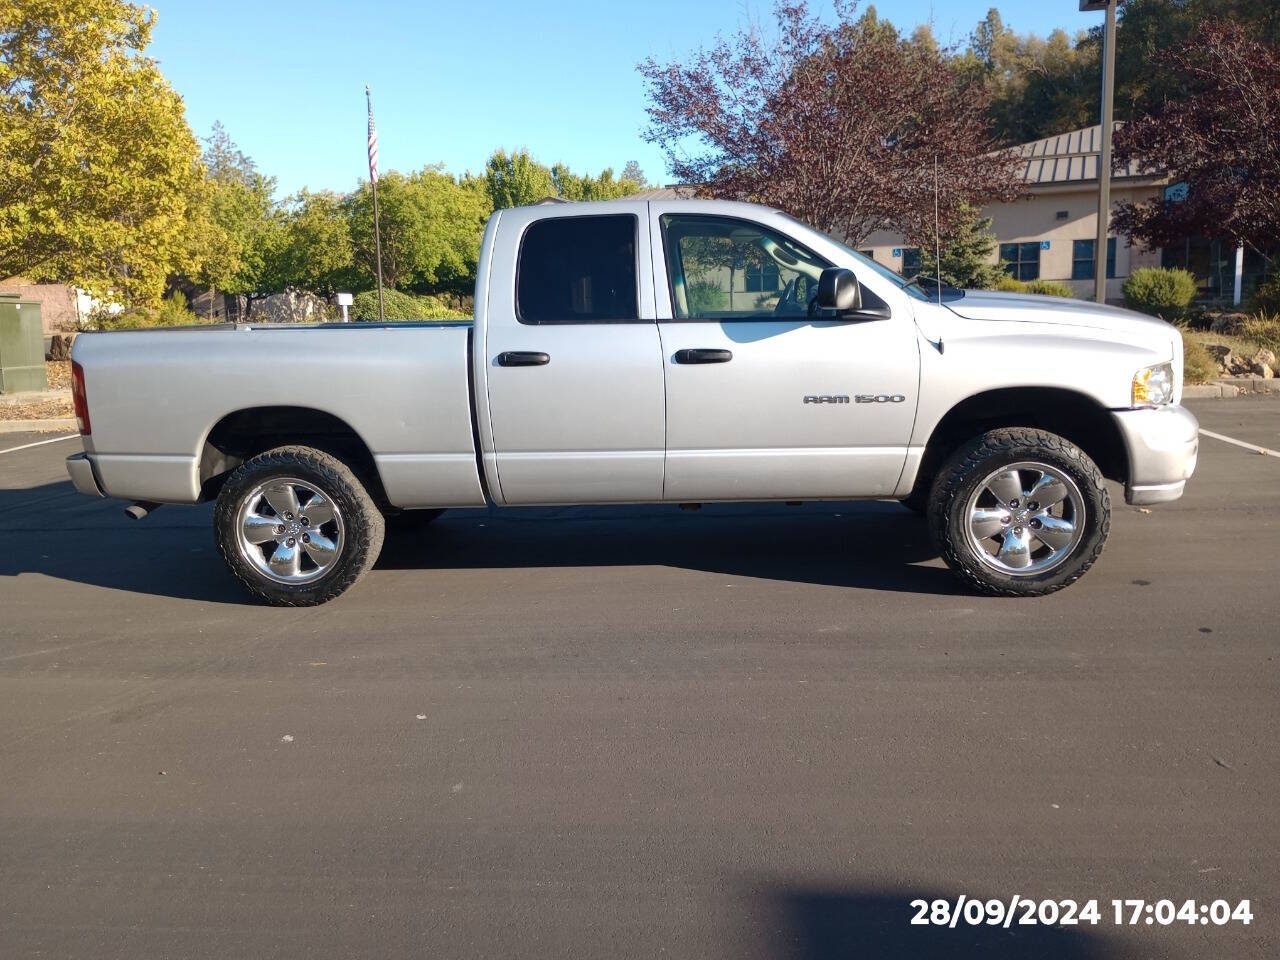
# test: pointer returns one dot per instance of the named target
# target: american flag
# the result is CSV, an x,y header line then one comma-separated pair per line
x,y
373,139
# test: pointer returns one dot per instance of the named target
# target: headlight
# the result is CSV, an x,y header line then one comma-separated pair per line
x,y
1153,385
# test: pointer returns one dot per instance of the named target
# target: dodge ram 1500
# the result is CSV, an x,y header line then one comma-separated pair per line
x,y
644,351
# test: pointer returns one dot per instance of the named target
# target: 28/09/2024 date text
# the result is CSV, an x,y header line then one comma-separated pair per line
x,y
1026,911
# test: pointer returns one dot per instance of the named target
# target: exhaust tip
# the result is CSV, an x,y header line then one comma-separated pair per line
x,y
139,509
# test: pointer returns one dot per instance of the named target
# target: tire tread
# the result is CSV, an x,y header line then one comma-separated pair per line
x,y
969,458
363,515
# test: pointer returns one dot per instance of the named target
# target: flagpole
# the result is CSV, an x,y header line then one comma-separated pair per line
x,y
373,180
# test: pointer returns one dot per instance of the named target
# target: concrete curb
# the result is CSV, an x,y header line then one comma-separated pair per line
x,y
33,396
58,425
1217,389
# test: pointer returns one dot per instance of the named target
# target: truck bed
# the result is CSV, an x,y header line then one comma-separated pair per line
x,y
403,389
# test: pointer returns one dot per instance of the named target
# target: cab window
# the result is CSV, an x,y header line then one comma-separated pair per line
x,y
720,268
578,270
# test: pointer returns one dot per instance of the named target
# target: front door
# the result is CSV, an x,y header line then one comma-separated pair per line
x,y
763,400
573,374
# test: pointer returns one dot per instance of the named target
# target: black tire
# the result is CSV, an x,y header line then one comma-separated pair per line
x,y
398,520
363,527
971,465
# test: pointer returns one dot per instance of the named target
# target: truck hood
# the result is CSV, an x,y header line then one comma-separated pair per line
x,y
1029,308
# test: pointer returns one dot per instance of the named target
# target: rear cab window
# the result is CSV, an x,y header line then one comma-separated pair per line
x,y
578,270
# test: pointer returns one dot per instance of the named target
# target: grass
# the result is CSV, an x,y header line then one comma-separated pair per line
x,y
1240,344
1252,335
1199,365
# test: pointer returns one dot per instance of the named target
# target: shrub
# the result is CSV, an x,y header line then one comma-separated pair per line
x,y
173,311
1160,292
1045,288
1266,299
1050,288
1199,366
398,305
1263,330
1008,284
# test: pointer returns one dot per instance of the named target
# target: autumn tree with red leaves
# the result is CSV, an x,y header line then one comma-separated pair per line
x,y
837,124
1220,137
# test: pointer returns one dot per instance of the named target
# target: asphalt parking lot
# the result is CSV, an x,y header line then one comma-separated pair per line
x,y
749,731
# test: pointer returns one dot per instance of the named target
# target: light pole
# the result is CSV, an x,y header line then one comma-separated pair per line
x,y
1104,157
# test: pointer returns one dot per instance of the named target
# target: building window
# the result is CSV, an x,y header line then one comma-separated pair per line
x,y
1021,260
910,261
1082,262
761,278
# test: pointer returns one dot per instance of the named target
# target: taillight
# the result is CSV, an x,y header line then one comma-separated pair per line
x,y
80,399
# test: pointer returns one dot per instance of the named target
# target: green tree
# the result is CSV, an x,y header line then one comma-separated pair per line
x,y
99,175
631,171
573,186
516,180
316,252
1149,29
244,224
1040,86
967,253
431,228
987,37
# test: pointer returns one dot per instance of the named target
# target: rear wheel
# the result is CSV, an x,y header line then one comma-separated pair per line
x,y
1020,512
296,526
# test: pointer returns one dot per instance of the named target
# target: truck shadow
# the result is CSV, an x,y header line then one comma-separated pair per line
x,y
875,545
52,530
837,923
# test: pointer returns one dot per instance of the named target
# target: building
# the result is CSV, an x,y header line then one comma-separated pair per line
x,y
63,308
1050,233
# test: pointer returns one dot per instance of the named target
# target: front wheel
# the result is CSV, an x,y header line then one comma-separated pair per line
x,y
296,526
1020,512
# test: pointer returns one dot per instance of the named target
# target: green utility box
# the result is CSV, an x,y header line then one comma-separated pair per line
x,y
21,346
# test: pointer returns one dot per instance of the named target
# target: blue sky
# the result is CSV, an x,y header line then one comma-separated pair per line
x,y
454,80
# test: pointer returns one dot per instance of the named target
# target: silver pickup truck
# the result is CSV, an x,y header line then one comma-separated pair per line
x,y
639,352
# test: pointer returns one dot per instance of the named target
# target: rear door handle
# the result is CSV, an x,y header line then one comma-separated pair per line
x,y
703,355
523,358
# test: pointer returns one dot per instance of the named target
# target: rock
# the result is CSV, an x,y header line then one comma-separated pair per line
x,y
1239,366
1220,351
1262,370
1264,356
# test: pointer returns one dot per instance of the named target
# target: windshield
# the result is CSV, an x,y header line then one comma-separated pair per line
x,y
906,286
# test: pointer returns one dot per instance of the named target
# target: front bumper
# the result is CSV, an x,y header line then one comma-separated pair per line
x,y
1162,443
83,475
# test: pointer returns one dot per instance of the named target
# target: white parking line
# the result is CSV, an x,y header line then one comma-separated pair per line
x,y
1240,443
40,443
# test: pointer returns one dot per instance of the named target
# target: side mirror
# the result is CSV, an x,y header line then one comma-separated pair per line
x,y
839,290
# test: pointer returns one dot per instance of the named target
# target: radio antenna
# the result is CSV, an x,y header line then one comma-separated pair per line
x,y
937,231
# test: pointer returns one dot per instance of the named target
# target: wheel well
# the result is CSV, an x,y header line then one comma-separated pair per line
x,y
246,433
1069,414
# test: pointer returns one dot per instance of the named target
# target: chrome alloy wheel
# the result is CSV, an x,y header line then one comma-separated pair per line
x,y
289,530
1025,519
